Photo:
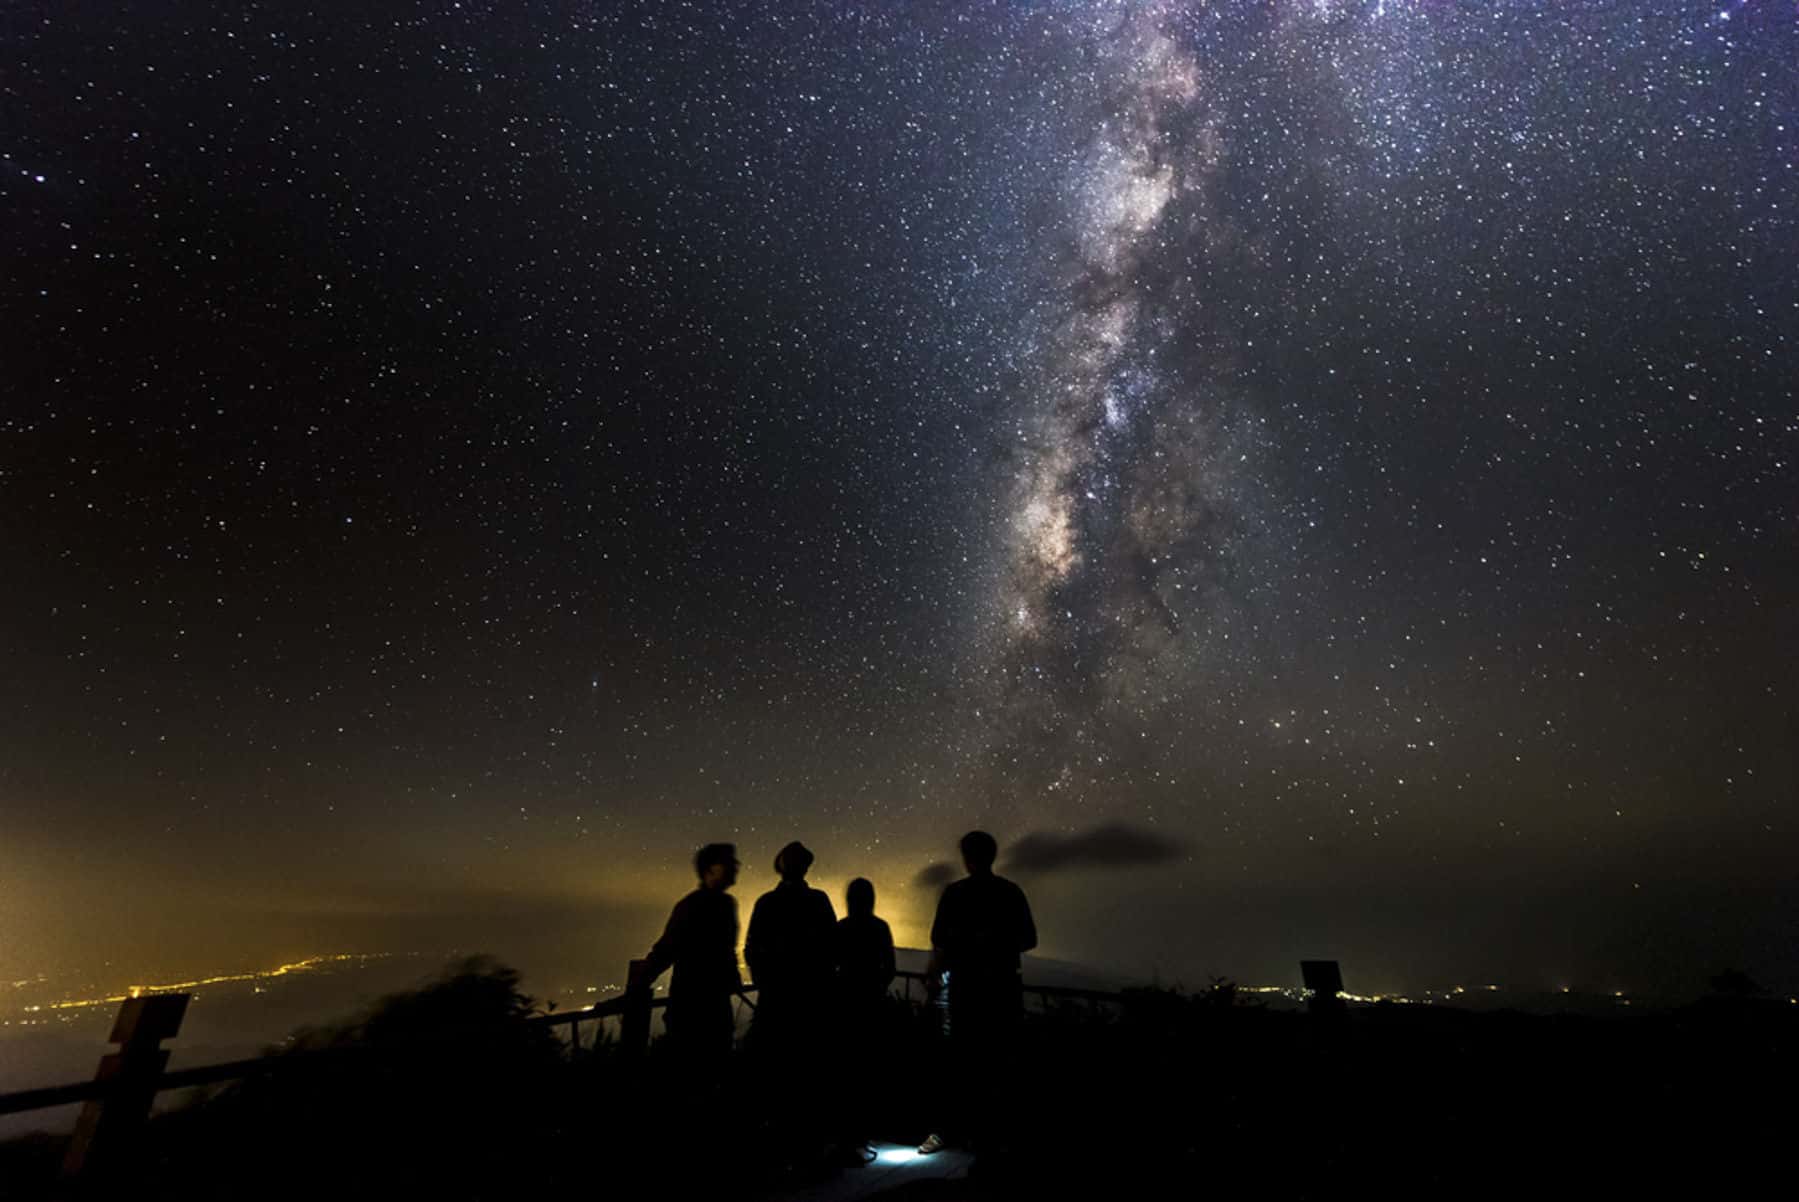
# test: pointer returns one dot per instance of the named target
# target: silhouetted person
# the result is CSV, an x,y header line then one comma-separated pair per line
x,y
983,926
863,966
700,941
788,950
862,950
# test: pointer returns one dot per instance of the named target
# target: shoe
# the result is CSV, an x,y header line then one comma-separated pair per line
x,y
932,1143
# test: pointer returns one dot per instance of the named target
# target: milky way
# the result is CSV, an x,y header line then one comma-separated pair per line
x,y
1119,498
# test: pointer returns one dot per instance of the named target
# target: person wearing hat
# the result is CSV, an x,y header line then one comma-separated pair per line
x,y
700,942
788,949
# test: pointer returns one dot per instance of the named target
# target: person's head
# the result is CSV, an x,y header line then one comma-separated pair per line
x,y
793,861
979,850
860,897
716,864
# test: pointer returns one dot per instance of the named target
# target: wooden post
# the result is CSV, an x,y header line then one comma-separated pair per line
x,y
1325,979
634,1024
109,1125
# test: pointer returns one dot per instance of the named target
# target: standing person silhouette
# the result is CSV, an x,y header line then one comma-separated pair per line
x,y
863,966
983,926
788,949
700,942
862,951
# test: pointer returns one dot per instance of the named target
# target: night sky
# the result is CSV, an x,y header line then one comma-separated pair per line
x,y
1320,473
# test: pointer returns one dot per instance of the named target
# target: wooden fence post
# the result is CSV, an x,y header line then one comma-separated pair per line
x,y
634,1024
110,1124
1325,979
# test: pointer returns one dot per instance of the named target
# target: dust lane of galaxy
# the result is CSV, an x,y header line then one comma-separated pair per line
x,y
1117,491
1123,527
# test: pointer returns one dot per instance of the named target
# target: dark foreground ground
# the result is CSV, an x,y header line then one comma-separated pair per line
x,y
1163,1095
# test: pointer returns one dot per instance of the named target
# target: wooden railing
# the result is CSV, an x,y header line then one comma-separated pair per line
x,y
119,1097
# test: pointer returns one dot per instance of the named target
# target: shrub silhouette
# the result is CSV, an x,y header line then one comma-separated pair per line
x,y
450,1090
441,1088
1733,982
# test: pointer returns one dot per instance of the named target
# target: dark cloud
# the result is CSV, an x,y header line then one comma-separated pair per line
x,y
1114,845
935,876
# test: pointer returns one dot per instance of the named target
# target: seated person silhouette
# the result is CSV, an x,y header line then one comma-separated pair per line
x,y
983,926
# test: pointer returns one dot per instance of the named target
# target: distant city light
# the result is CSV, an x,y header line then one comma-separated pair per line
x,y
280,970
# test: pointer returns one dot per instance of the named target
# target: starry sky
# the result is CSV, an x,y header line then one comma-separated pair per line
x,y
1315,477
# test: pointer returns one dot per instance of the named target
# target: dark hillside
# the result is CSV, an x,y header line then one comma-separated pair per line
x,y
464,1098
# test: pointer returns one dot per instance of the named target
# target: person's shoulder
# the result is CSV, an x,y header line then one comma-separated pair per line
x,y
880,924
